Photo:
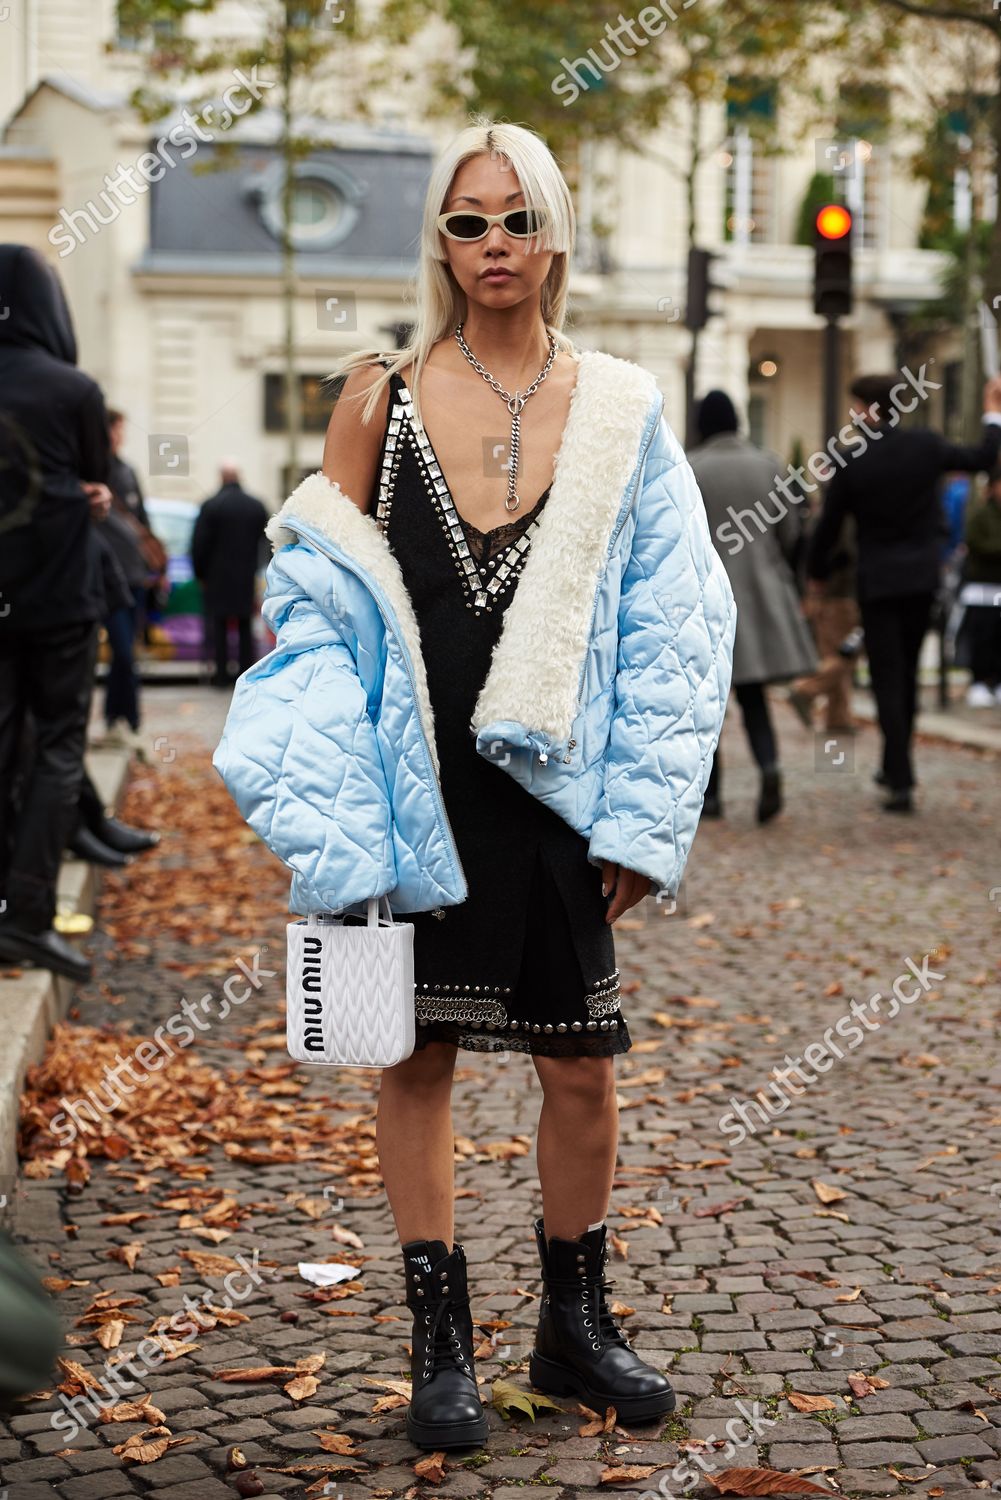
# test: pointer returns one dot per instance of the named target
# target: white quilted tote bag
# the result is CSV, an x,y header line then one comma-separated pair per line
x,y
350,988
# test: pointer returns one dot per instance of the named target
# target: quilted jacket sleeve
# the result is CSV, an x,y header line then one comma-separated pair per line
x,y
676,624
299,752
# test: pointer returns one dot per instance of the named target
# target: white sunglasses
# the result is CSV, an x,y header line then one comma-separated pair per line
x,y
521,223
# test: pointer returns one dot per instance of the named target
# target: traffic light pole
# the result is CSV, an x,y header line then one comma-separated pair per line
x,y
691,436
832,378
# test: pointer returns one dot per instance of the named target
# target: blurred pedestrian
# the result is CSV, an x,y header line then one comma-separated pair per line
x,y
773,642
833,616
54,455
891,487
980,595
226,551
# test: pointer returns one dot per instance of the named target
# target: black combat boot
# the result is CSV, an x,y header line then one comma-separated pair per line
x,y
579,1349
445,1407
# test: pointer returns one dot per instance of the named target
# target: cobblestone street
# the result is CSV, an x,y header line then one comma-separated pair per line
x,y
778,1239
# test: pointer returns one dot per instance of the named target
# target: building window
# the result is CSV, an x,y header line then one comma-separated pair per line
x,y
862,159
326,203
749,214
316,402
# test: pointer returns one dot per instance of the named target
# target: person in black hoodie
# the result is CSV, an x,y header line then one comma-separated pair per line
x,y
54,456
891,488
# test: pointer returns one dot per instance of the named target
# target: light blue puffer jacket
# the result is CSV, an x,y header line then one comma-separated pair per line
x,y
605,695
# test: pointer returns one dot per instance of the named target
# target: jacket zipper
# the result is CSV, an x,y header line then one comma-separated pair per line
x,y
623,513
386,613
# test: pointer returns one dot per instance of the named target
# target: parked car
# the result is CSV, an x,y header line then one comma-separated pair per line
x,y
176,630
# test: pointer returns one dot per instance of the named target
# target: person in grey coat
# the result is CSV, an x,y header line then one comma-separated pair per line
x,y
755,531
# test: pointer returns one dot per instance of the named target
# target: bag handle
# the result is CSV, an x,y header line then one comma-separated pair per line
x,y
374,902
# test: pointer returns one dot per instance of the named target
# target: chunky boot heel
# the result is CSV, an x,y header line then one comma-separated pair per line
x,y
579,1348
445,1408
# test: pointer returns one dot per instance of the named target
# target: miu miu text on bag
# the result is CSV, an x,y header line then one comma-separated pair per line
x,y
350,988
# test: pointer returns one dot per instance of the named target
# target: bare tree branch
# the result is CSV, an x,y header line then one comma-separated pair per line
x,y
941,13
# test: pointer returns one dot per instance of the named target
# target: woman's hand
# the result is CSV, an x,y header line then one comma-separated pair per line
x,y
626,886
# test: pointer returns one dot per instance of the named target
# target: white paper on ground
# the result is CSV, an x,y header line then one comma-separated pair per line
x,y
327,1273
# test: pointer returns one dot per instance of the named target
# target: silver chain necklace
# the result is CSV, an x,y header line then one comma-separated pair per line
x,y
514,405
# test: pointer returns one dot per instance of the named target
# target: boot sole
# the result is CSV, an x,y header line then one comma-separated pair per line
x,y
558,1380
447,1434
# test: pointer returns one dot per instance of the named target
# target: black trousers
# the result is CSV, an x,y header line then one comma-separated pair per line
x,y
219,631
894,629
49,674
983,622
758,728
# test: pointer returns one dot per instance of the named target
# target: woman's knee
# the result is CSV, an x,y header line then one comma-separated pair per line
x,y
582,1081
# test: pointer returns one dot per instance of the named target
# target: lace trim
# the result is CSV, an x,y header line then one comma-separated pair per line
x,y
488,547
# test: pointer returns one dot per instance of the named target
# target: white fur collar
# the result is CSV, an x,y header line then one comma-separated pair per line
x,y
535,667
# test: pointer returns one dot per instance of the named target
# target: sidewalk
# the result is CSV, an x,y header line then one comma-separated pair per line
x,y
33,1001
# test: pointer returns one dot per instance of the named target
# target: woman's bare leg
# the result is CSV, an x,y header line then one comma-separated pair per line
x,y
415,1143
577,1142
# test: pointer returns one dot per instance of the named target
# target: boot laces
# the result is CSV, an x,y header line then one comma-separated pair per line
x,y
443,1345
608,1329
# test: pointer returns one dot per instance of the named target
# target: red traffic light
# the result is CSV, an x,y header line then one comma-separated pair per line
x,y
833,221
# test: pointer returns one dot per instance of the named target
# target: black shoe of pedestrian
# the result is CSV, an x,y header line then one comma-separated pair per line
x,y
47,950
712,807
899,802
445,1407
126,840
86,845
579,1348
770,801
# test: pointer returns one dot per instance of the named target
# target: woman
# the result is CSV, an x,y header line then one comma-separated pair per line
x,y
497,759
980,596
773,642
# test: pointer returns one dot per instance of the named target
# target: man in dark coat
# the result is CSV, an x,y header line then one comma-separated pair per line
x,y
891,487
53,440
226,549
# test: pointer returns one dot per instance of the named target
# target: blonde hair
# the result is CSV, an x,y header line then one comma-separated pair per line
x,y
441,302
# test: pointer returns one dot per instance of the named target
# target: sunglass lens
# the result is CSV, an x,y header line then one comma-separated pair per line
x,y
524,221
466,226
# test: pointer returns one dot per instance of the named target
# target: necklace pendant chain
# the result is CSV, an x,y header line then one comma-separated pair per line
x,y
515,405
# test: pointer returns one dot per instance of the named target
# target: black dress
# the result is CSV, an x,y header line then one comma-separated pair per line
x,y
526,962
